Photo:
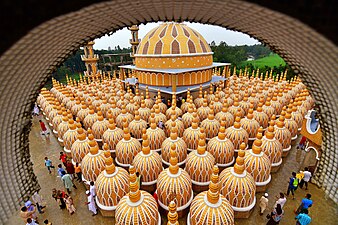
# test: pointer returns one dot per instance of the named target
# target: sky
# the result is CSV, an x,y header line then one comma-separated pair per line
x,y
209,32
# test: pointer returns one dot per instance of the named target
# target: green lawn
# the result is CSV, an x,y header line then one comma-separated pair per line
x,y
270,61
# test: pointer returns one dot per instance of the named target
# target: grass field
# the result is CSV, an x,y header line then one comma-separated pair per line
x,y
270,61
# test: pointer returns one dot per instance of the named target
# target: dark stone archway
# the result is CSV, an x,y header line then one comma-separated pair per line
x,y
27,64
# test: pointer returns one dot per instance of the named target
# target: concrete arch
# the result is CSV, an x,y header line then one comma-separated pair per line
x,y
27,64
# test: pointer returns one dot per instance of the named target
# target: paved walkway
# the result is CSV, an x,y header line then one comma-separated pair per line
x,y
323,212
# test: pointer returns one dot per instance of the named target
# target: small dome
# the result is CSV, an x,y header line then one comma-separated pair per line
x,y
261,116
282,134
249,124
235,108
173,109
203,111
238,186
122,102
148,101
210,125
245,104
144,111
137,125
63,126
70,136
179,124
90,119
127,148
199,101
236,134
137,97
159,116
199,165
100,126
148,163
97,102
162,107
131,106
218,106
191,134
185,104
105,107
210,207
112,135
296,116
124,115
291,124
80,148
188,117
276,105
229,118
156,135
181,147
93,163
137,207
268,109
114,111
271,146
222,148
83,112
257,163
111,185
174,182
211,96
77,107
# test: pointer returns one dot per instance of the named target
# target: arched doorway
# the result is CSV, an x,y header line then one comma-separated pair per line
x,y
30,61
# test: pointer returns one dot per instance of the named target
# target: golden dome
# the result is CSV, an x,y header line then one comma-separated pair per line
x,y
211,96
235,108
188,117
148,163
93,163
137,125
210,207
83,112
174,182
203,111
123,115
111,185
90,119
122,102
148,101
80,148
131,106
199,101
261,116
276,105
236,134
171,38
144,111
210,125
114,111
77,107
127,148
159,116
272,147
291,124
172,214
156,135
162,107
191,134
138,207
105,107
297,116
268,109
70,136
245,104
229,118
250,124
178,112
62,127
238,186
100,126
181,147
185,103
199,165
257,163
137,97
218,106
283,135
222,148
178,123
112,135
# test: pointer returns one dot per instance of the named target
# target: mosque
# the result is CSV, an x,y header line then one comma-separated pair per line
x,y
214,152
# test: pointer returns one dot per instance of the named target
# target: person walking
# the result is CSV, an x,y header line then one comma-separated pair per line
x,y
280,200
31,221
300,177
263,203
49,164
63,158
70,168
275,216
78,172
60,170
70,204
92,189
303,218
307,177
43,127
37,199
61,195
293,184
67,182
36,110
160,125
47,222
91,203
306,204
25,214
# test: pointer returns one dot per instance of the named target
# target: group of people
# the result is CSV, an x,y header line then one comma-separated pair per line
x,y
295,181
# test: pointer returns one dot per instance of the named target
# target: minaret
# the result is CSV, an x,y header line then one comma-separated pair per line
x,y
90,60
134,41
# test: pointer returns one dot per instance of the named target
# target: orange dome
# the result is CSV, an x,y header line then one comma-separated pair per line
x,y
155,134
99,127
191,134
210,125
178,123
137,125
112,135
70,136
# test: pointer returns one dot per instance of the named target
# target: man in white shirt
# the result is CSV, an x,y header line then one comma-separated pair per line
x,y
307,177
92,189
281,200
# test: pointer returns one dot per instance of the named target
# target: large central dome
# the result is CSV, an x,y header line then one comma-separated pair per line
x,y
173,39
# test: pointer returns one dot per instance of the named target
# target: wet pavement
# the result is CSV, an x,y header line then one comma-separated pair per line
x,y
323,212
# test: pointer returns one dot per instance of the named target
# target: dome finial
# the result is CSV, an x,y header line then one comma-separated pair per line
x,y
94,149
110,167
173,131
126,134
201,143
134,193
145,142
194,121
213,192
172,214
257,145
221,133
239,166
173,167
